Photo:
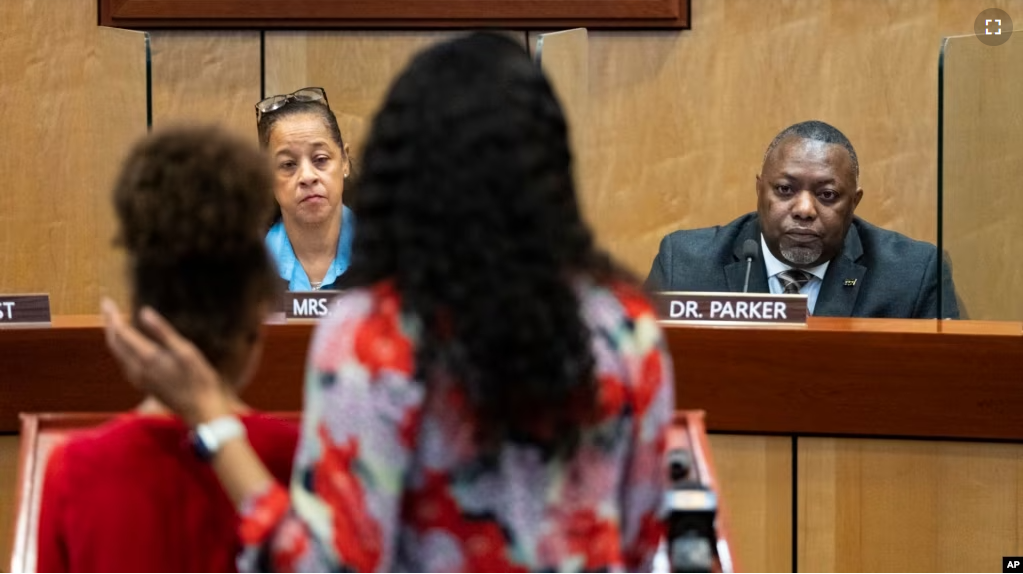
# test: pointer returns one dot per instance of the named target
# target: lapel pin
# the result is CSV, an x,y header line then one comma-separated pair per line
x,y
850,282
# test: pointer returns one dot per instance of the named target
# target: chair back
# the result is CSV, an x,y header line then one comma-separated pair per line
x,y
40,433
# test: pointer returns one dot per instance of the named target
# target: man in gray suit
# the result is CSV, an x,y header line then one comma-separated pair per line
x,y
805,239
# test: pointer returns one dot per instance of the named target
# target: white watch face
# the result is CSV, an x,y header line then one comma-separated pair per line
x,y
208,438
218,431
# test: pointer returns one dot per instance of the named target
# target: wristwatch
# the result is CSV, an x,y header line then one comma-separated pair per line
x,y
208,438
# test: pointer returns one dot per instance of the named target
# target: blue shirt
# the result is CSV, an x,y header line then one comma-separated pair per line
x,y
774,267
290,269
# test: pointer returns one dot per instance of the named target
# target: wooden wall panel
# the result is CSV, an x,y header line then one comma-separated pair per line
x,y
680,121
8,481
395,14
355,68
206,77
565,58
908,506
755,473
983,207
74,99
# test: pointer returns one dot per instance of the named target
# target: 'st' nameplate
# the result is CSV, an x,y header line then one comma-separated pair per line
x,y
730,308
24,309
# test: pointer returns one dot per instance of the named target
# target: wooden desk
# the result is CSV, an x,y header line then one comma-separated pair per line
x,y
67,368
856,377
814,464
837,377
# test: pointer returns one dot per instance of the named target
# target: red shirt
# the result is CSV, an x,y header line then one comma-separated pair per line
x,y
132,496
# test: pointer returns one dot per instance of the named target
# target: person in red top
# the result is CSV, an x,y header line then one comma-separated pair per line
x,y
135,494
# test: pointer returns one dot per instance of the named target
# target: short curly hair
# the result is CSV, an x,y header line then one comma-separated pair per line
x,y
467,203
192,203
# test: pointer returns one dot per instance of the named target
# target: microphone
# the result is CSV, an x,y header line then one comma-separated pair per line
x,y
692,516
749,253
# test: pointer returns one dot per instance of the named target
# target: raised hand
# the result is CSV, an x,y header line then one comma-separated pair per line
x,y
162,363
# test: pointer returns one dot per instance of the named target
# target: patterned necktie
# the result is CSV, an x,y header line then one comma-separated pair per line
x,y
793,280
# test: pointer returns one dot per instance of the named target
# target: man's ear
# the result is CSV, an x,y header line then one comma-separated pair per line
x,y
759,185
857,197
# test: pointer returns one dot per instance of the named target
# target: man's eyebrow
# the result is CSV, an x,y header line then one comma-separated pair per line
x,y
820,181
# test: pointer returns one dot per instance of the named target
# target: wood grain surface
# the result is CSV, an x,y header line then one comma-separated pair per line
x,y
908,506
67,368
206,77
74,99
395,14
355,69
755,479
856,377
834,377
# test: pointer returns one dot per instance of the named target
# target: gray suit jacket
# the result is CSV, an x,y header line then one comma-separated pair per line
x,y
895,276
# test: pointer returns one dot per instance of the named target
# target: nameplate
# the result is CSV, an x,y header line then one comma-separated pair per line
x,y
24,309
731,308
307,304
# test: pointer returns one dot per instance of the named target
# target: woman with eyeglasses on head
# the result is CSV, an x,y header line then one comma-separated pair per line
x,y
131,495
311,236
492,394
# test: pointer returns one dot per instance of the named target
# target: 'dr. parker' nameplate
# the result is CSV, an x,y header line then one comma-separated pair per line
x,y
307,304
731,308
24,309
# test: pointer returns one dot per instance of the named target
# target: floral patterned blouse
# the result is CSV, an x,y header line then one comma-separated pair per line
x,y
388,478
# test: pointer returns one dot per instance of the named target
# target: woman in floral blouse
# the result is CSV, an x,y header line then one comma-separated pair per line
x,y
491,393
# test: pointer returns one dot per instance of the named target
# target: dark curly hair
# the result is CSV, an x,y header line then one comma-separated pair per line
x,y
266,124
467,204
192,203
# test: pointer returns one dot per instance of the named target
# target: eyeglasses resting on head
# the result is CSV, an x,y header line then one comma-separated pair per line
x,y
274,103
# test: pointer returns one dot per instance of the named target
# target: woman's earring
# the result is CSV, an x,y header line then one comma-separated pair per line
x,y
346,175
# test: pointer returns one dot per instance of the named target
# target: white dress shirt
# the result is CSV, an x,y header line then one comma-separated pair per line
x,y
776,266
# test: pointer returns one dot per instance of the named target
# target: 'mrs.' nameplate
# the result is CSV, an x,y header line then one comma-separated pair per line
x,y
308,304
